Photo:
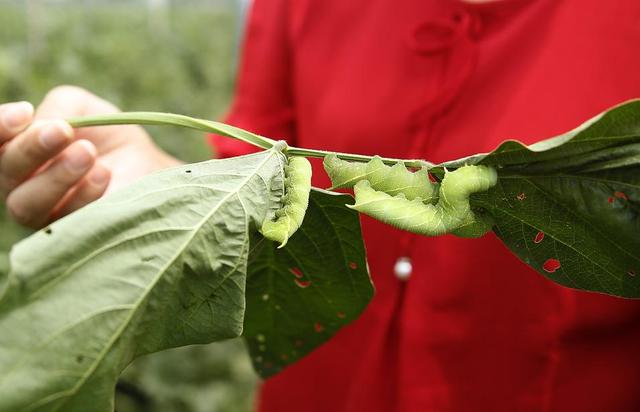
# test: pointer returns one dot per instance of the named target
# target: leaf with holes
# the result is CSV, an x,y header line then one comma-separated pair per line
x,y
300,296
157,265
570,206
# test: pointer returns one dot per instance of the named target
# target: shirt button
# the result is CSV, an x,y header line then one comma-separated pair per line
x,y
403,268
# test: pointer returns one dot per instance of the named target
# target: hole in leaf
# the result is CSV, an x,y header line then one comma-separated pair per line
x,y
631,272
620,195
265,297
341,315
296,272
353,265
284,356
318,327
521,196
298,343
302,283
551,265
539,237
610,199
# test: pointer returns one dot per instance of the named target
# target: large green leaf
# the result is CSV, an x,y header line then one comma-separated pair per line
x,y
158,265
299,296
570,206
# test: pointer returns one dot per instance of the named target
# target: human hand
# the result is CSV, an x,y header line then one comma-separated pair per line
x,y
48,169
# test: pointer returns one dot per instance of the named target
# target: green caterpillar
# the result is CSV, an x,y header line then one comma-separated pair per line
x,y
452,213
393,180
295,202
409,201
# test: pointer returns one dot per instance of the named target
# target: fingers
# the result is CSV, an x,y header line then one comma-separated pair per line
x,y
64,102
33,202
14,118
68,101
91,188
30,150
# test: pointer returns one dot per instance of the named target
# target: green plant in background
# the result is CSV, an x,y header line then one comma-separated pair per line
x,y
177,257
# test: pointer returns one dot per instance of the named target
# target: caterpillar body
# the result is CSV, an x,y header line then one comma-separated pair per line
x,y
451,213
393,180
295,202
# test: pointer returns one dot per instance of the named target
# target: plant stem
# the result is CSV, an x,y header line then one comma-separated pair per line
x,y
296,151
170,119
164,119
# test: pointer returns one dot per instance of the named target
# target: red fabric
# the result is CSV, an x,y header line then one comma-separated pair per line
x,y
473,329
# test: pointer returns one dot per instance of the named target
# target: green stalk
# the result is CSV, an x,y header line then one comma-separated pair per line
x,y
296,151
170,119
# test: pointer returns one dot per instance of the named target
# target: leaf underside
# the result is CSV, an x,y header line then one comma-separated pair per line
x,y
160,264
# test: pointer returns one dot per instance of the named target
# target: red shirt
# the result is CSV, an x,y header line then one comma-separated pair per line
x,y
473,329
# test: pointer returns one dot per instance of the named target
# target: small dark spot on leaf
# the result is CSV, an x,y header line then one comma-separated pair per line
x,y
318,327
147,258
521,196
284,356
79,358
296,272
298,343
341,315
353,265
48,230
302,283
551,265
631,272
268,365
539,237
187,171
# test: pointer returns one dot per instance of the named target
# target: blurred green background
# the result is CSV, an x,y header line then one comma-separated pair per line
x,y
155,55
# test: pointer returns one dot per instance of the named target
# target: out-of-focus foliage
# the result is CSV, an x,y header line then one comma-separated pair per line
x,y
114,50
118,51
201,378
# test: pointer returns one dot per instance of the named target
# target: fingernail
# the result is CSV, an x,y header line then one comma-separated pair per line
x,y
17,116
99,176
54,136
80,157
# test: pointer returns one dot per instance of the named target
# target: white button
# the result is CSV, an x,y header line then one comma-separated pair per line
x,y
403,268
